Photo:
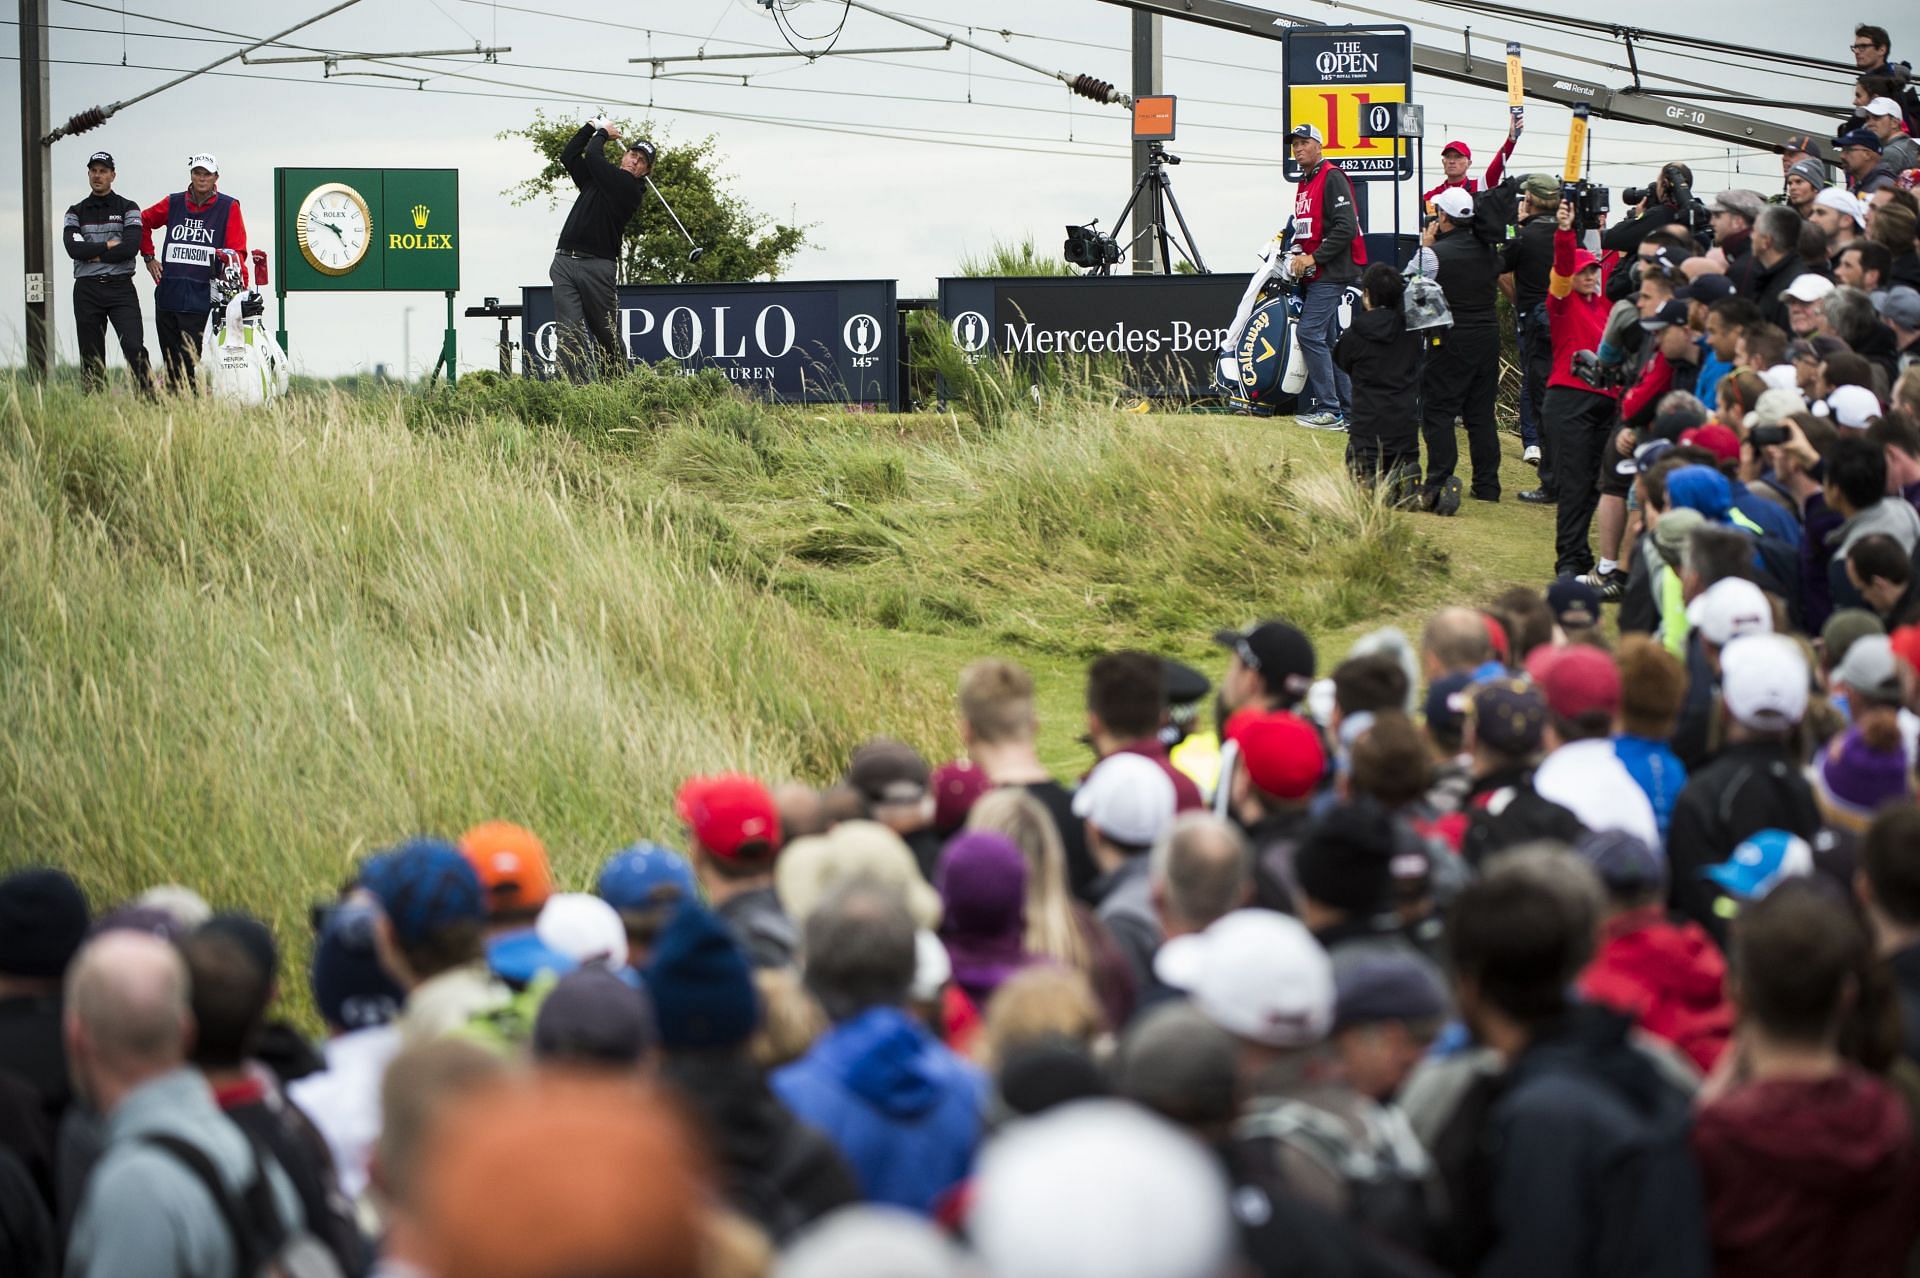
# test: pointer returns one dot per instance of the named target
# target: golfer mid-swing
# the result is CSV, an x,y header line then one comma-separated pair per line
x,y
588,254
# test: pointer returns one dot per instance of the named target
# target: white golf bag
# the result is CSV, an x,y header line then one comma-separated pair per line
x,y
239,357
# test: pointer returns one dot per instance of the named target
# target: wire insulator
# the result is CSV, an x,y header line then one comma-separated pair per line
x,y
91,118
1088,87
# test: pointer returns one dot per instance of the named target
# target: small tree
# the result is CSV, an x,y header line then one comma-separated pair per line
x,y
740,243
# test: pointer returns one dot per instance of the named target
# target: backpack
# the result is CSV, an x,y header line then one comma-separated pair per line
x,y
1496,211
264,1246
1385,1174
1511,815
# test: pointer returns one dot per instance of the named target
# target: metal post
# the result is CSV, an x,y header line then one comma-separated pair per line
x,y
36,163
281,297
1146,79
452,375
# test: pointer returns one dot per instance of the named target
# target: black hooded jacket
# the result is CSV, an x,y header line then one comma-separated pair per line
x,y
1383,359
775,1170
1581,1167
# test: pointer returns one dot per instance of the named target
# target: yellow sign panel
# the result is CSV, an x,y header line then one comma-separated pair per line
x,y
1336,111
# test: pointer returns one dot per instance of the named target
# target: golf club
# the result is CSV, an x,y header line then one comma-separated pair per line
x,y
697,252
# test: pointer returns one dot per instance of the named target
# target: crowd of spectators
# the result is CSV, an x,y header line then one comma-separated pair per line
x,y
1498,951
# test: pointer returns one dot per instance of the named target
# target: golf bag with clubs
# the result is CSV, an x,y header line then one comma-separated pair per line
x,y
1261,368
238,354
1260,360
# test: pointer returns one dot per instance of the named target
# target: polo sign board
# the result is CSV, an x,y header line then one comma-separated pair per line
x,y
827,342
1336,78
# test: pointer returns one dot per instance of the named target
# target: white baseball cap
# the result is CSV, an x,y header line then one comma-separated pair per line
x,y
1808,288
1256,974
1781,377
203,161
583,928
1845,202
1129,796
1729,609
1100,1189
1763,680
1884,106
1851,406
1456,202
1775,405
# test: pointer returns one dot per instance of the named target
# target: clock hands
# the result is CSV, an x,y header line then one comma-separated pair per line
x,y
338,234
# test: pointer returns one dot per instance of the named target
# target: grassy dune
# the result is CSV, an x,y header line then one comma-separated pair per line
x,y
240,648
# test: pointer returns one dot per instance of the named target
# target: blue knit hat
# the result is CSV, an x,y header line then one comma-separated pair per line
x,y
350,988
43,920
701,984
1703,489
424,885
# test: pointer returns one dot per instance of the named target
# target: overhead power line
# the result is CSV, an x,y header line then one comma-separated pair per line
x,y
93,117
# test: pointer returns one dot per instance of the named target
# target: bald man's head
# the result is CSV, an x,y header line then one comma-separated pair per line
x,y
127,1009
1456,641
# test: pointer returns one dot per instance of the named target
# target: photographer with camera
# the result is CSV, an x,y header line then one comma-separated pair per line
x,y
1668,200
1526,264
1463,375
1327,256
1579,417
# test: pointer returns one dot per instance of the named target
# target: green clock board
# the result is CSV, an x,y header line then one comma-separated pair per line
x,y
367,230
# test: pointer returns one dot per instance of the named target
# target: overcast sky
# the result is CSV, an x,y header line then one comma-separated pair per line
x,y
900,164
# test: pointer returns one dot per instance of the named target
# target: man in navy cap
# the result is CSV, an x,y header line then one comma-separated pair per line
x,y
1860,156
102,236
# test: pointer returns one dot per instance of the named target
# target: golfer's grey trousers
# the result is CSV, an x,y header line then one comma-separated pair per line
x,y
584,307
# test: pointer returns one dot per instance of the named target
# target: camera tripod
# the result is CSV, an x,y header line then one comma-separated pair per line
x,y
1155,185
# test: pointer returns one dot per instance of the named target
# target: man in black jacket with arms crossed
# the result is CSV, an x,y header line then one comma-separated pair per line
x,y
588,255
102,236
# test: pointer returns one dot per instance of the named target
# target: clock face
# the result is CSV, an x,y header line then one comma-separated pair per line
x,y
335,228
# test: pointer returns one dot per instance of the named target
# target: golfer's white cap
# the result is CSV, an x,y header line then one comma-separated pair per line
x,y
203,160
1455,202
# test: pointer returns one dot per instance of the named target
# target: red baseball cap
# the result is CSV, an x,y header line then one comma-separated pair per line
x,y
728,814
1466,152
1906,645
1577,679
1282,751
1497,636
1716,439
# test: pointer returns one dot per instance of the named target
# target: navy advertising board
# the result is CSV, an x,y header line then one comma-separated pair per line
x,y
1333,75
1165,329
827,342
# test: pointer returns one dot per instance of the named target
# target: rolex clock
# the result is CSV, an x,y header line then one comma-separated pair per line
x,y
334,228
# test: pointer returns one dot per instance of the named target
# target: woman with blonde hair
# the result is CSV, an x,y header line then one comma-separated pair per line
x,y
1058,927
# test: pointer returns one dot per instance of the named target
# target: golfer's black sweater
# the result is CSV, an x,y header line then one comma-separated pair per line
x,y
609,197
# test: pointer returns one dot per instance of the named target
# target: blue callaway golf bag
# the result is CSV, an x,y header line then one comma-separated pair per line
x,y
1260,360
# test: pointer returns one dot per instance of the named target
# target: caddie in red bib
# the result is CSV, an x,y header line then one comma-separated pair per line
x,y
1327,256
199,222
